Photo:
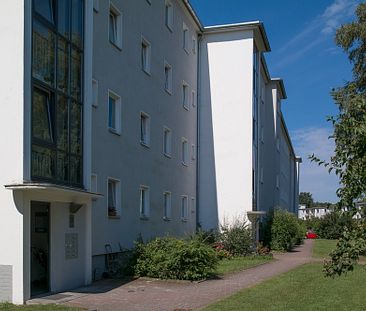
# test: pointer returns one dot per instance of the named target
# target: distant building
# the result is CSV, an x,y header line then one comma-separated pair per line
x,y
313,212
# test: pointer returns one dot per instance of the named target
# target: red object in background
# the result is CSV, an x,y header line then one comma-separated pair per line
x,y
311,235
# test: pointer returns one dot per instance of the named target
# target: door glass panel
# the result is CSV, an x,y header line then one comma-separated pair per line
x,y
77,26
75,128
62,123
63,66
76,75
46,8
63,13
43,162
43,54
41,116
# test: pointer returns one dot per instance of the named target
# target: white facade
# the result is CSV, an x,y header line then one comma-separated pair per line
x,y
175,135
313,212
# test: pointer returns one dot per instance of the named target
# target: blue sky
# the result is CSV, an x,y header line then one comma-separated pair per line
x,y
301,35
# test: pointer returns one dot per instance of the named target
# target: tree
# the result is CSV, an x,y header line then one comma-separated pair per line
x,y
349,159
306,198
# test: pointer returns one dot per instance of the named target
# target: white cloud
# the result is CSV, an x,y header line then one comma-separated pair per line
x,y
314,178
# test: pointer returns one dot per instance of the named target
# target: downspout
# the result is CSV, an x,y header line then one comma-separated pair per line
x,y
198,225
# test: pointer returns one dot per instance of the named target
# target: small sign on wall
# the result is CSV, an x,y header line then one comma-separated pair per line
x,y
71,245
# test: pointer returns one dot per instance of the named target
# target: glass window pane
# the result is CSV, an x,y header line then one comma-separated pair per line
x,y
41,116
112,113
75,128
77,22
75,170
63,13
62,166
43,54
46,8
63,66
76,75
112,27
43,162
62,123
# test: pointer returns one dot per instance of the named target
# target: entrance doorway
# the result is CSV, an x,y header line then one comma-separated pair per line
x,y
40,237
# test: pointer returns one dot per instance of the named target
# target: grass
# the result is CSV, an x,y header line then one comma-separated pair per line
x,y
11,307
322,248
302,289
236,264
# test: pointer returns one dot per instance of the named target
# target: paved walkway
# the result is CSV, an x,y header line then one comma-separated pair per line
x,y
157,295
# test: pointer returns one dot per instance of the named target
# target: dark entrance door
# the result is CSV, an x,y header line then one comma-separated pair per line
x,y
40,236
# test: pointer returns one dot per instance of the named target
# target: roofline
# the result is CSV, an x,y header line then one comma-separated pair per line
x,y
253,25
265,67
193,14
288,137
281,86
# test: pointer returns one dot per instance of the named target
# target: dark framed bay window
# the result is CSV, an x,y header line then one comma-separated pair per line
x,y
57,94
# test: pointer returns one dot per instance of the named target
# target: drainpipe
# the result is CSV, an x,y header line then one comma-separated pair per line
x,y
198,104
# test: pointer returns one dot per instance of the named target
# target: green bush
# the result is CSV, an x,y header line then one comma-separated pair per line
x,y
332,225
172,258
286,230
236,238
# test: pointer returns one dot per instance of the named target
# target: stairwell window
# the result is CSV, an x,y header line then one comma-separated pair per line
x,y
169,15
115,26
145,56
167,206
167,142
114,111
144,129
113,197
184,208
185,37
168,78
184,151
185,97
144,202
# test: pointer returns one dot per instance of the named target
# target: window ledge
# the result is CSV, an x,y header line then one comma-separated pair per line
x,y
169,156
114,131
148,72
186,50
186,107
144,217
146,145
167,219
116,45
184,164
168,91
184,219
114,217
169,28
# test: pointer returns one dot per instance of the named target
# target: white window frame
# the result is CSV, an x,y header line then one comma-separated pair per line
x,y
193,152
168,78
167,205
193,205
117,116
184,208
167,143
145,55
117,42
185,95
145,141
194,44
117,197
193,98
95,93
144,208
169,15
185,36
184,151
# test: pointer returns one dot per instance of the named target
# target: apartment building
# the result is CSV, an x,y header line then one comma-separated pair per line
x,y
127,119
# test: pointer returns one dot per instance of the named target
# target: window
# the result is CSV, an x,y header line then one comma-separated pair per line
x,y
96,5
95,93
167,205
113,197
193,152
277,181
261,176
115,26
193,99
167,142
57,93
184,151
144,129
262,134
148,1
169,15
114,112
194,45
185,37
193,205
145,55
184,208
185,98
144,202
168,78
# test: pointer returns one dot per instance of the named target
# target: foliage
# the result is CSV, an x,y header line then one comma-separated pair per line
x,y
349,159
306,198
286,230
172,258
332,225
236,238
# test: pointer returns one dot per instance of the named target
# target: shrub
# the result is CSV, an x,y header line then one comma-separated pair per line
x,y
332,225
286,230
236,238
172,258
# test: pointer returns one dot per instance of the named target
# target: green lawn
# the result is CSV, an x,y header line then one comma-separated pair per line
x,y
322,248
11,307
240,263
302,289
